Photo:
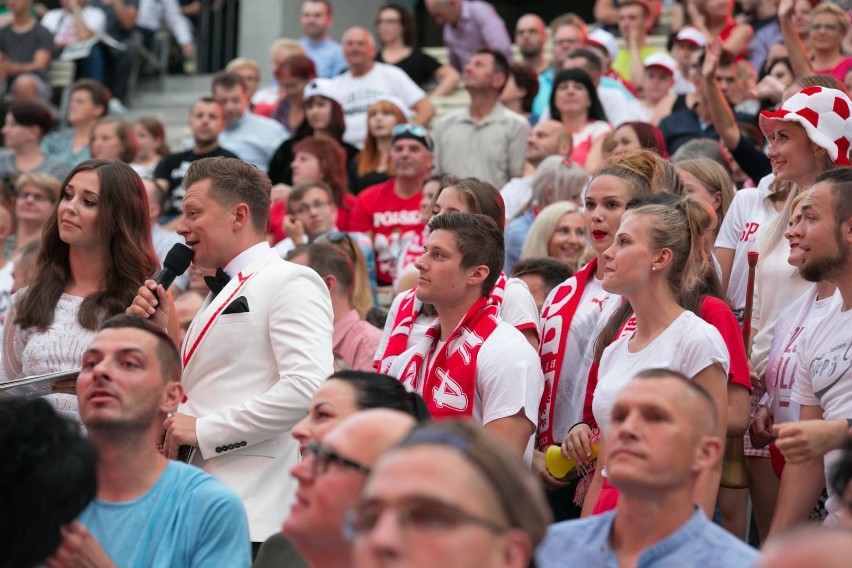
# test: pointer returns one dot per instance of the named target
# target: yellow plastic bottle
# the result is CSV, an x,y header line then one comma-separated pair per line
x,y
558,466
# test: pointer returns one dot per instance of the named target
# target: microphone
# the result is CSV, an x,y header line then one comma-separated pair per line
x,y
175,264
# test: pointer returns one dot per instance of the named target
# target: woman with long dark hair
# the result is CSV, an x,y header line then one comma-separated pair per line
x,y
96,249
574,102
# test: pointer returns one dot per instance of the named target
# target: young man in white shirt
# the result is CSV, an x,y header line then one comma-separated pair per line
x,y
471,363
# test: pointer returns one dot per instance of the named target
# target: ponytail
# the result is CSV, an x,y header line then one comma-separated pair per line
x,y
699,221
681,226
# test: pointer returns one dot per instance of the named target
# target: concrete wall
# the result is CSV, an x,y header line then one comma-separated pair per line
x,y
264,21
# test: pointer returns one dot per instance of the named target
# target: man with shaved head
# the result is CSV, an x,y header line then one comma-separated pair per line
x,y
331,475
808,546
547,138
530,36
368,81
662,440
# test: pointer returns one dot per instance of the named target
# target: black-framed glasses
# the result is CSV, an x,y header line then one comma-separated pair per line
x,y
324,456
414,512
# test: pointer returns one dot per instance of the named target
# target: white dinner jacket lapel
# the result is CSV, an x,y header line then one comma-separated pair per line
x,y
213,307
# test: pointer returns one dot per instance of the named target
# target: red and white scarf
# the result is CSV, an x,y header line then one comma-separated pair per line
x,y
555,324
406,314
449,386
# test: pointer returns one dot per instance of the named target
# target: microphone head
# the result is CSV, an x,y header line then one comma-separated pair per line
x,y
178,259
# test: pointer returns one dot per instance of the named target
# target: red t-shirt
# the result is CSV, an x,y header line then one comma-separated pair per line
x,y
391,220
279,209
718,314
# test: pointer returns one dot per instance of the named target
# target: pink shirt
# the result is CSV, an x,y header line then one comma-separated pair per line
x,y
839,72
356,341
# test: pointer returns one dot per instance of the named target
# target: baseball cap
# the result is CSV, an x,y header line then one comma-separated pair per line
x,y
321,88
661,59
604,40
692,36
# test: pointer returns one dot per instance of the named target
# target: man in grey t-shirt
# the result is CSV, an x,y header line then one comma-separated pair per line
x,y
25,46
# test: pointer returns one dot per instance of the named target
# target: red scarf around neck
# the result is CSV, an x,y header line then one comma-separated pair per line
x,y
555,324
449,386
407,312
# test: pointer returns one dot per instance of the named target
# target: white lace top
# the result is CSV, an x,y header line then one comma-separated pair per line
x,y
32,352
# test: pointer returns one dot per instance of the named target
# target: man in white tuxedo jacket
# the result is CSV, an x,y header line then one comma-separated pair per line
x,y
256,351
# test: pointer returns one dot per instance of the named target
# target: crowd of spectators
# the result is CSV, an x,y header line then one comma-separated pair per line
x,y
595,313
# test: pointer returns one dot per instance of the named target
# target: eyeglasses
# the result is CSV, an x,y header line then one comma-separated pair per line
x,y
567,42
307,207
34,195
816,26
415,130
408,128
324,456
415,512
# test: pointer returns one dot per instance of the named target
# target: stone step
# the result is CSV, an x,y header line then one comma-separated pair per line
x,y
171,105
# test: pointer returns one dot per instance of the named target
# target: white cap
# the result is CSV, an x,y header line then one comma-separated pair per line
x,y
661,59
603,39
691,35
321,88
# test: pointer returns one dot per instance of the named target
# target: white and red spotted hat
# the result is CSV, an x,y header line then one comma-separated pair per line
x,y
823,113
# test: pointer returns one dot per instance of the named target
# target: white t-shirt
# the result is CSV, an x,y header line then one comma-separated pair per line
x,y
593,310
6,283
60,23
689,345
516,195
748,211
518,309
508,378
802,314
824,379
357,94
619,108
777,284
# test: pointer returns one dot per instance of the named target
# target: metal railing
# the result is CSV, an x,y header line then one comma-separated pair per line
x,y
216,34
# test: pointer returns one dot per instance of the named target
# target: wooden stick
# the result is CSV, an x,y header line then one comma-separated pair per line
x,y
749,305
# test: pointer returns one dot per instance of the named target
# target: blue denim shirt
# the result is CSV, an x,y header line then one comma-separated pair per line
x,y
585,542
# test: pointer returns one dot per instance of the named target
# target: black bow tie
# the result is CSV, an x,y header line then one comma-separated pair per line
x,y
217,282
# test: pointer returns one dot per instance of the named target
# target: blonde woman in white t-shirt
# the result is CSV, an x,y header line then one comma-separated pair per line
x,y
658,256
808,134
